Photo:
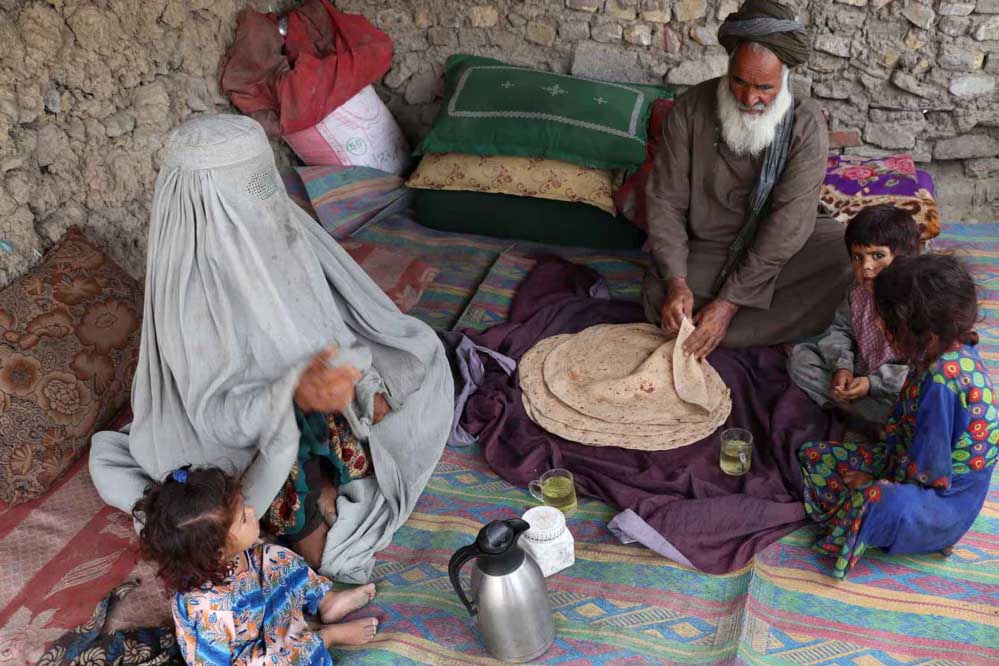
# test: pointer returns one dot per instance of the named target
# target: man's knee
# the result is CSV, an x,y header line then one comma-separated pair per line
x,y
653,296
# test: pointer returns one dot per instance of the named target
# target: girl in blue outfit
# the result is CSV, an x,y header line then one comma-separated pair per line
x,y
239,601
921,489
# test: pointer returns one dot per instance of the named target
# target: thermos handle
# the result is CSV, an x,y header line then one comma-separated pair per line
x,y
458,560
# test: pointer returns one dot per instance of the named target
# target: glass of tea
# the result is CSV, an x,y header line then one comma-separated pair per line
x,y
555,488
736,451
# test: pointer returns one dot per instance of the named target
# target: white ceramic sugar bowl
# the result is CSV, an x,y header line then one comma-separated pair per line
x,y
549,540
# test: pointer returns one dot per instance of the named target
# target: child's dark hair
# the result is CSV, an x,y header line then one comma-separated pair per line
x,y
185,523
923,295
884,225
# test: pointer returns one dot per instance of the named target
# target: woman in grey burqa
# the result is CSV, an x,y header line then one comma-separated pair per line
x,y
266,350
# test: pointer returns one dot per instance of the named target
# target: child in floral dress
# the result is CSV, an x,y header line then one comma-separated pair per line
x,y
921,489
239,601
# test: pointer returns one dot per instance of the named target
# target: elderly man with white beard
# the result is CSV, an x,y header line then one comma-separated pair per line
x,y
737,242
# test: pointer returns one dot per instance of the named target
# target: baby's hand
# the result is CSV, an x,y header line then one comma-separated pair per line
x,y
856,389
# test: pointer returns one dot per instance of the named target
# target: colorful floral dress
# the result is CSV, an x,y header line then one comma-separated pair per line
x,y
326,441
256,617
931,475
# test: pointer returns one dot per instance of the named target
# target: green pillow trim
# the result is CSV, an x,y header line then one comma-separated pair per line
x,y
497,109
525,218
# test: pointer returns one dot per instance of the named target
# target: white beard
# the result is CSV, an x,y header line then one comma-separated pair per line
x,y
747,133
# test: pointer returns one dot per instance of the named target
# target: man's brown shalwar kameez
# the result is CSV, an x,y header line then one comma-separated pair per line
x,y
797,269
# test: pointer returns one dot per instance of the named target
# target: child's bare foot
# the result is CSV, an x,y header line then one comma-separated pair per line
x,y
355,632
337,605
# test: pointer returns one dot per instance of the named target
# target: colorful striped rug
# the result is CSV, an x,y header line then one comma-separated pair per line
x,y
623,605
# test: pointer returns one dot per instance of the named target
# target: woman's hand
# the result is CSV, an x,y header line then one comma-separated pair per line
x,y
325,389
855,479
381,408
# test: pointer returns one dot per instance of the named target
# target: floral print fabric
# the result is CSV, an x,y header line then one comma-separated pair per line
x,y
89,645
930,476
520,176
69,340
256,617
294,512
854,183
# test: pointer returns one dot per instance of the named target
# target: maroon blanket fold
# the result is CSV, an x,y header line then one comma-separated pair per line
x,y
717,522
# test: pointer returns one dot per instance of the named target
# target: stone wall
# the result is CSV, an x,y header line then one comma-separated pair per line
x,y
87,92
88,88
894,75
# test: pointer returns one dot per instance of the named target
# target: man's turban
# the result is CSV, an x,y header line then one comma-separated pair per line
x,y
770,24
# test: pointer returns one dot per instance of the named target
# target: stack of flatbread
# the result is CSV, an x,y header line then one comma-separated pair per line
x,y
625,385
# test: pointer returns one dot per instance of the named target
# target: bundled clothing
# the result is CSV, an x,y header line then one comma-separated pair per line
x,y
243,289
853,342
255,617
930,476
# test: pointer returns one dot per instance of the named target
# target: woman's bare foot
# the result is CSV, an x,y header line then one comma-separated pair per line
x,y
312,546
337,605
356,632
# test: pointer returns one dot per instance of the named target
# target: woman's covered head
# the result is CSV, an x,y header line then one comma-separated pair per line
x,y
193,522
927,304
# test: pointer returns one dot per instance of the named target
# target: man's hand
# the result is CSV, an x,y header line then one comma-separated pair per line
x,y
840,380
856,389
381,408
712,323
325,389
679,303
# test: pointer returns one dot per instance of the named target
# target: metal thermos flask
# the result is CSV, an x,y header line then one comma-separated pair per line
x,y
509,597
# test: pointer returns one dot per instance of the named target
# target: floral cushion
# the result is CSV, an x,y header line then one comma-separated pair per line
x,y
69,340
520,176
401,275
853,183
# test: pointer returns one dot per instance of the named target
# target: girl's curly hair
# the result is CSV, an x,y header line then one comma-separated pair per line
x,y
185,523
930,294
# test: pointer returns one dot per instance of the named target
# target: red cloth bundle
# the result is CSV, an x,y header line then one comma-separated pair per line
x,y
291,83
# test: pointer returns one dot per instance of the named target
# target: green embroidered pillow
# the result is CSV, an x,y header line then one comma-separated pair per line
x,y
492,108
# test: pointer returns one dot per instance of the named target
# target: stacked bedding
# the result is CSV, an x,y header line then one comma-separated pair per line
x,y
521,153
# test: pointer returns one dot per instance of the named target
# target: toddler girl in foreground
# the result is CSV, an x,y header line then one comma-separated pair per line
x,y
921,489
238,600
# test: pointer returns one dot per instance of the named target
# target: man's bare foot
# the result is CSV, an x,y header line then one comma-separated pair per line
x,y
337,605
356,632
327,502
312,546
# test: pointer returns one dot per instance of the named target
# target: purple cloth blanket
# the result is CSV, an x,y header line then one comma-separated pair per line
x,y
717,522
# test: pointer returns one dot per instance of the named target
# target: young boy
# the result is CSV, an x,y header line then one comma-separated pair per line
x,y
851,365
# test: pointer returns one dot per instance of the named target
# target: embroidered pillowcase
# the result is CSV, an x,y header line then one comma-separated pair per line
x,y
69,343
491,108
520,176
854,183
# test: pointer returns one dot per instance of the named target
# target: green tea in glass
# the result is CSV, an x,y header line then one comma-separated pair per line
x,y
556,489
736,451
